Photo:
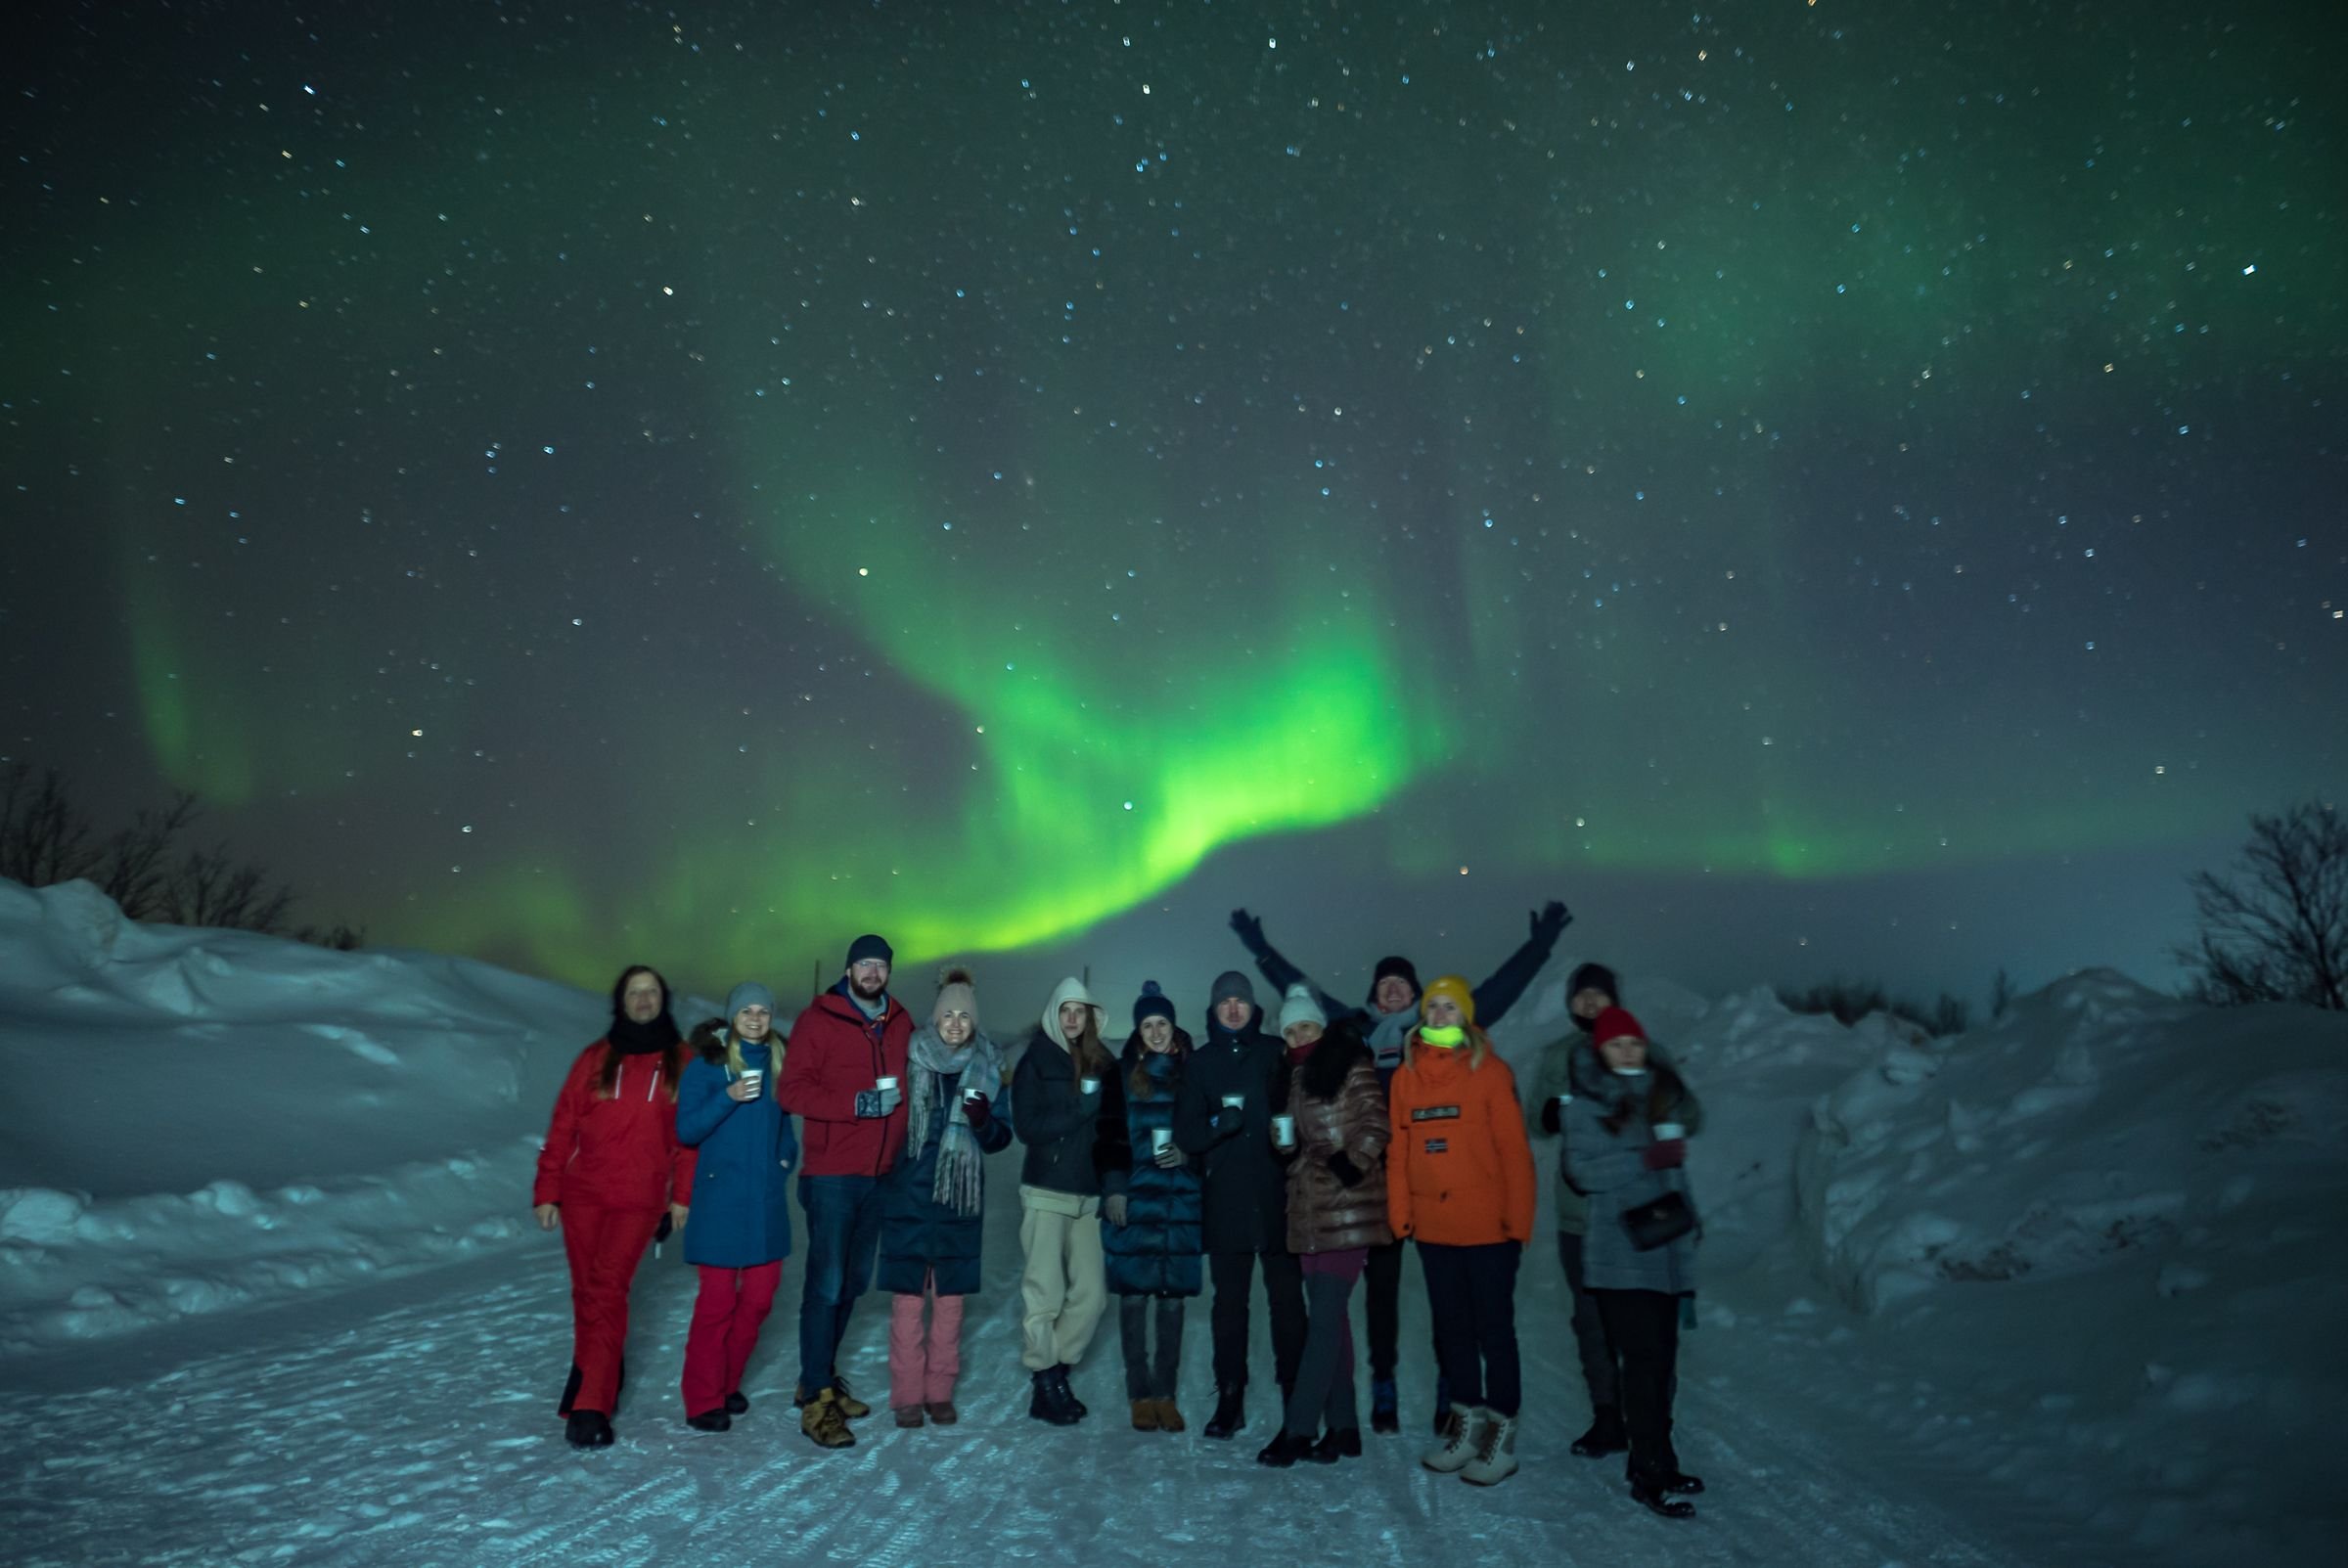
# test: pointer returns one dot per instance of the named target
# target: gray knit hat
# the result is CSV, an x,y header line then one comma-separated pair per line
x,y
1231,983
748,994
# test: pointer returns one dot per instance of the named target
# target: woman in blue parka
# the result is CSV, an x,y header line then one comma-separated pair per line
x,y
1153,1256
737,1232
932,1203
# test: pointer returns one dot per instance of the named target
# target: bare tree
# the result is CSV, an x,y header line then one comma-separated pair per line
x,y
44,836
2001,994
137,867
2275,927
207,888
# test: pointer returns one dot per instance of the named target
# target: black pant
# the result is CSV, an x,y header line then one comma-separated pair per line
x,y
1381,1303
1644,1326
1471,1294
1283,1293
1147,1377
1589,1330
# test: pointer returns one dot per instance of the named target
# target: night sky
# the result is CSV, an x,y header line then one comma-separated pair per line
x,y
1824,488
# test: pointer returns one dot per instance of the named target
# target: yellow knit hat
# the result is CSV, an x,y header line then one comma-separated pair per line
x,y
1455,988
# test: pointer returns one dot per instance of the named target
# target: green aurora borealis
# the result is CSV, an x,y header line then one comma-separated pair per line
x,y
718,481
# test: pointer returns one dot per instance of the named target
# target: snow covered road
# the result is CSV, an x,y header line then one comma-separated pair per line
x,y
413,1423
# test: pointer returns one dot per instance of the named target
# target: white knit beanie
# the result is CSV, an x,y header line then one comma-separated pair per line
x,y
1298,1007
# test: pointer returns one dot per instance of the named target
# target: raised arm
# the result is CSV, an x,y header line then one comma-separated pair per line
x,y
1278,970
1503,985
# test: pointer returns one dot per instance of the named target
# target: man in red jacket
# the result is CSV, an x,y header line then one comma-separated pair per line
x,y
844,1071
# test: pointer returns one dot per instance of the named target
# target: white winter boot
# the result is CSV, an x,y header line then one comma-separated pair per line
x,y
1461,1443
1496,1455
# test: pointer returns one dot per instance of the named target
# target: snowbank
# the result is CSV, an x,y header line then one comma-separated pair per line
x,y
2116,1215
196,1119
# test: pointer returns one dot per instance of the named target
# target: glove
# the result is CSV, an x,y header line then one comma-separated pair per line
x,y
1341,1166
661,1231
1550,922
1669,1154
876,1102
1250,929
1114,1208
978,1107
1549,1118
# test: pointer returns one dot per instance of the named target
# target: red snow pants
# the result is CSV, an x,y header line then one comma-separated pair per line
x,y
604,1246
727,1314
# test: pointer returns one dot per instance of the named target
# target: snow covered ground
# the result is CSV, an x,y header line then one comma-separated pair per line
x,y
2064,1290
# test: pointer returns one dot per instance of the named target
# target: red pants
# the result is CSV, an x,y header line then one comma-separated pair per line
x,y
726,1318
604,1245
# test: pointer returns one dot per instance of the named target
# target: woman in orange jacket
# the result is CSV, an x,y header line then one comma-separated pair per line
x,y
1460,1181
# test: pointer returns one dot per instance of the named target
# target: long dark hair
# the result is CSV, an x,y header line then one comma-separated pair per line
x,y
672,1058
1666,1090
1322,1074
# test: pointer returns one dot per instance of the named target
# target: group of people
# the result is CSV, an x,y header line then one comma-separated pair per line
x,y
1151,1172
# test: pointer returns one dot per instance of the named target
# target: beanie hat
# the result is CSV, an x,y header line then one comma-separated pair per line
x,y
1454,987
1152,1004
748,994
869,946
1232,983
1298,1007
1592,977
957,992
1394,963
1615,1023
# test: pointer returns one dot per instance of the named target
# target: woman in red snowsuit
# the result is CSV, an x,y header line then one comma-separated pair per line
x,y
611,1169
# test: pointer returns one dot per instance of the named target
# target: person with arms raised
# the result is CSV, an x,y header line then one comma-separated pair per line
x,y
1386,1015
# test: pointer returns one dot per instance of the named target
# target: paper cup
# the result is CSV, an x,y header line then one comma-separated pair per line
x,y
1665,1132
1234,1101
886,1083
1161,1139
1564,1099
752,1078
1284,1130
1089,1085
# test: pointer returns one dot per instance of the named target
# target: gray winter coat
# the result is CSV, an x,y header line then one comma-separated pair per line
x,y
1608,1167
1571,1065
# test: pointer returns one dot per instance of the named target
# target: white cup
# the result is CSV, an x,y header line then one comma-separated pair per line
x,y
885,1084
1665,1132
1563,1101
752,1079
1088,1086
1284,1130
1234,1101
1161,1139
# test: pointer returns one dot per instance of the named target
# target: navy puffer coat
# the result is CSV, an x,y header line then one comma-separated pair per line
x,y
919,1233
1156,1251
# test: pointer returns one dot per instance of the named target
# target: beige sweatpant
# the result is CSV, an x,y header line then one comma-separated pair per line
x,y
1062,1289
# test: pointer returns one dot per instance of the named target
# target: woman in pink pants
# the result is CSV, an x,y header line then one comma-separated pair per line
x,y
932,1206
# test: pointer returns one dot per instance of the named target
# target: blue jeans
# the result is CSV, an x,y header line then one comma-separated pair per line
x,y
844,1231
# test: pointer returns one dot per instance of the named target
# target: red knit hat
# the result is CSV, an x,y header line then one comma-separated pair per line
x,y
1615,1023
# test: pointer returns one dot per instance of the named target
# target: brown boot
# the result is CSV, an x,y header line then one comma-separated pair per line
x,y
1145,1415
943,1414
908,1416
820,1418
1169,1420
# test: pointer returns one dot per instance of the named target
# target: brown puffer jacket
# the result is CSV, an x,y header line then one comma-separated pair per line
x,y
1340,1108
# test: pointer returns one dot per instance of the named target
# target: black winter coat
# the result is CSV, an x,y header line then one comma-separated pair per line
x,y
1075,1143
1156,1251
1246,1186
919,1233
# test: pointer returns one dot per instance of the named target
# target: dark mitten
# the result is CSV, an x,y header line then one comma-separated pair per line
x,y
1668,1154
1250,929
1550,1115
978,1107
1550,923
1341,1166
